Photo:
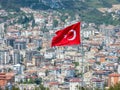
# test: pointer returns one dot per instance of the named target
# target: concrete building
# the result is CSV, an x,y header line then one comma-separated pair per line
x,y
17,57
2,30
19,69
20,44
4,56
74,83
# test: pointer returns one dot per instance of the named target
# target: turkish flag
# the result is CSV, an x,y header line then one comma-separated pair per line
x,y
67,36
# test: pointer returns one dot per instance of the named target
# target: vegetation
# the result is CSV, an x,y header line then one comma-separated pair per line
x,y
118,59
12,88
87,88
16,4
41,87
76,64
32,81
39,48
55,23
115,87
36,81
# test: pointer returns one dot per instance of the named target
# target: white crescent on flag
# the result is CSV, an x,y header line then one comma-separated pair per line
x,y
74,35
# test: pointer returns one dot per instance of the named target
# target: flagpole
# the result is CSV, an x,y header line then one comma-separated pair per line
x,y
82,66
82,51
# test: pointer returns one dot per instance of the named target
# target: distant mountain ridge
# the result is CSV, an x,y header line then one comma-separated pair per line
x,y
55,4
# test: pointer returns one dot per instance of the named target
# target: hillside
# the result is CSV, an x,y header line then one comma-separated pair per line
x,y
85,8
53,4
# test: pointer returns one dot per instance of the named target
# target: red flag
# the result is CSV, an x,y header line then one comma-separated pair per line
x,y
67,36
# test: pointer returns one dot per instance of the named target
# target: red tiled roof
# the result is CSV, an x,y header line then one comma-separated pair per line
x,y
114,75
75,80
99,55
54,68
112,57
91,61
115,44
110,64
96,80
2,73
53,83
99,71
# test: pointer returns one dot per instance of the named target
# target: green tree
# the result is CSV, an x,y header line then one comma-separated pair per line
x,y
115,87
30,81
33,23
55,23
76,64
100,47
44,29
5,28
15,88
38,81
41,87
63,18
39,48
118,59
46,73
